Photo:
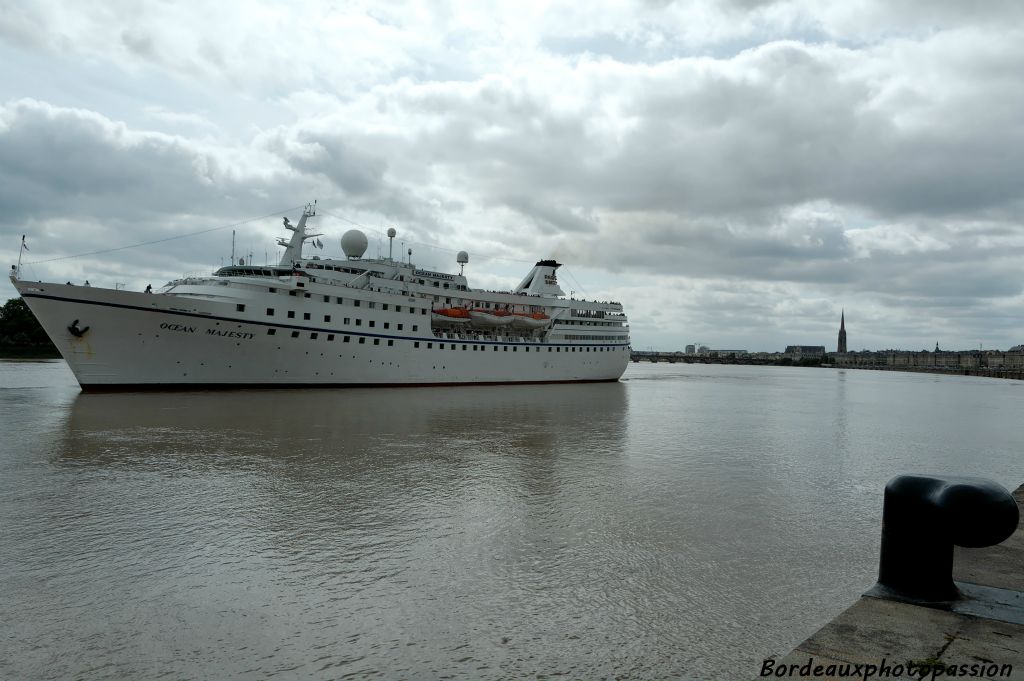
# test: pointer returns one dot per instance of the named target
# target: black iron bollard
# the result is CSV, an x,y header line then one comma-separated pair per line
x,y
923,517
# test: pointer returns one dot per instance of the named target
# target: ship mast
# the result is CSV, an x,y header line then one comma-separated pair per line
x,y
293,247
15,273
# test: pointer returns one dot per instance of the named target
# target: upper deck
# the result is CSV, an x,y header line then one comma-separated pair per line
x,y
382,276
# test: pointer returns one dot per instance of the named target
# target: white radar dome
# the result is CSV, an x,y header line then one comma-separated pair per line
x,y
462,258
354,243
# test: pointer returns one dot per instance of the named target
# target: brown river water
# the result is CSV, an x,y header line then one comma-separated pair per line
x,y
683,523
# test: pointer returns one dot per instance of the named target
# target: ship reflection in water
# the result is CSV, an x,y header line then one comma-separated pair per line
x,y
313,431
340,532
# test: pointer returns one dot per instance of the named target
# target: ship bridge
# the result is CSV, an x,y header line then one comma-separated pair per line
x,y
252,271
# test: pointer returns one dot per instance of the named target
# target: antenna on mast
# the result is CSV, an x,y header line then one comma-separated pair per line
x,y
391,241
21,251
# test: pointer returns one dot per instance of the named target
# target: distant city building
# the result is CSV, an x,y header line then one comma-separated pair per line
x,y
924,359
841,346
728,353
691,349
802,351
703,350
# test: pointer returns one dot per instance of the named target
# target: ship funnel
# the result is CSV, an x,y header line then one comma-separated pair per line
x,y
542,280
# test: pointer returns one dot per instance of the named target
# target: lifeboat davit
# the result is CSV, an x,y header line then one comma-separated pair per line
x,y
530,320
450,315
491,317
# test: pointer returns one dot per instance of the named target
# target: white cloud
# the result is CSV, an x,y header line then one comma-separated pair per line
x,y
899,239
194,121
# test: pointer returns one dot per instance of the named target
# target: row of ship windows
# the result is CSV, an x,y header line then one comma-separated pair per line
x,y
398,308
441,346
345,320
240,307
457,287
375,273
575,336
576,323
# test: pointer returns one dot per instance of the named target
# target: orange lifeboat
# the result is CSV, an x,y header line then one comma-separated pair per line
x,y
530,320
450,315
482,317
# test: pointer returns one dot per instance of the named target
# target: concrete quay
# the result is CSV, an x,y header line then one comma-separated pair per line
x,y
980,635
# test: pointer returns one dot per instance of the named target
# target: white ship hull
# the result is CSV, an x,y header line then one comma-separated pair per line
x,y
139,341
326,322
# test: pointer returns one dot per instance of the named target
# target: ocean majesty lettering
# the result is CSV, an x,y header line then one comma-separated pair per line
x,y
241,335
434,275
229,334
178,327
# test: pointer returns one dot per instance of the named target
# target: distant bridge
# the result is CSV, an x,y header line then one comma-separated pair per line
x,y
679,357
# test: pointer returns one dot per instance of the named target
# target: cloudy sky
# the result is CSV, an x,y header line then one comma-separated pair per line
x,y
735,172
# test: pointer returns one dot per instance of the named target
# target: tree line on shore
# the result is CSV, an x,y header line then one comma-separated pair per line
x,y
21,335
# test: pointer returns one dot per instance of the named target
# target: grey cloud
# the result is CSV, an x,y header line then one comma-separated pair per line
x,y
357,168
703,249
798,131
75,162
818,256
140,44
783,125
350,169
551,218
76,182
23,24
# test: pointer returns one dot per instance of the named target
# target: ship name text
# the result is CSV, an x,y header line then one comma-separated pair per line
x,y
230,334
178,327
434,275
242,335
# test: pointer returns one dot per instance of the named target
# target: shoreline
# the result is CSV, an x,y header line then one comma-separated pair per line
x,y
29,353
982,372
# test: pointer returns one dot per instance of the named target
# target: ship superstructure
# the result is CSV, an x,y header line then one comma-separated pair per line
x,y
312,321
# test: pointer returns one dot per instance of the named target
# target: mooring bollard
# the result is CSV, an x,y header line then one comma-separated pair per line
x,y
923,517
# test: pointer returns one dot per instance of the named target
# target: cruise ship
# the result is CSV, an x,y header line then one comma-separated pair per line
x,y
323,322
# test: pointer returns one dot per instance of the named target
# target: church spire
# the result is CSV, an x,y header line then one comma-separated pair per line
x,y
841,345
